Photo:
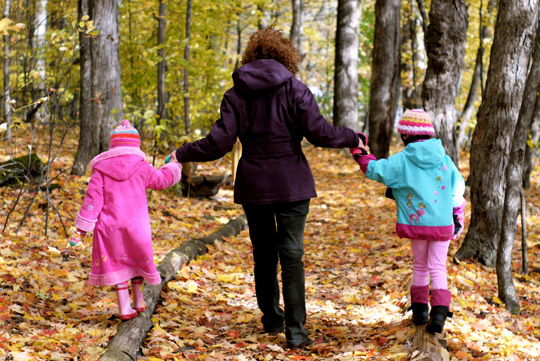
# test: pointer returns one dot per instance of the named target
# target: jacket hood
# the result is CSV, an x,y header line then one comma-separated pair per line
x,y
260,75
118,163
425,154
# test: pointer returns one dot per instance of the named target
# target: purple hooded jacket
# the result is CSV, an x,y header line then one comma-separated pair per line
x,y
270,112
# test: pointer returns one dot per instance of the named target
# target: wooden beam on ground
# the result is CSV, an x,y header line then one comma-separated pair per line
x,y
130,334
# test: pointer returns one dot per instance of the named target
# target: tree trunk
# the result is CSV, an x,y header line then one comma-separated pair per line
x,y
410,92
106,81
101,91
130,334
162,65
385,76
497,117
346,64
477,80
514,177
41,29
297,28
87,148
187,120
445,45
7,88
531,145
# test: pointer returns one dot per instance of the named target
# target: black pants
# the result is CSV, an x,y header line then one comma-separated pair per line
x,y
277,234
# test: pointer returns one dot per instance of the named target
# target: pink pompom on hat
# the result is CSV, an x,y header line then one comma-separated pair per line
x,y
125,136
415,122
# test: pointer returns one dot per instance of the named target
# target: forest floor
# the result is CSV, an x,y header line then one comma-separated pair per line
x,y
357,277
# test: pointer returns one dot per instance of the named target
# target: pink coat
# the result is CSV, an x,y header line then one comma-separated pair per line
x,y
116,209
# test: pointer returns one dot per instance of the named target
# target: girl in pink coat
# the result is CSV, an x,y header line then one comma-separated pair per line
x,y
116,209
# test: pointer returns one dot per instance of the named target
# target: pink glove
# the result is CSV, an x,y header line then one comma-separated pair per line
x,y
76,237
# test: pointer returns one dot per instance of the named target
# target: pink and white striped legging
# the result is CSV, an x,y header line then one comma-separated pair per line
x,y
429,259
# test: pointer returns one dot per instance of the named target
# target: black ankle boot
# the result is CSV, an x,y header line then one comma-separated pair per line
x,y
437,318
419,313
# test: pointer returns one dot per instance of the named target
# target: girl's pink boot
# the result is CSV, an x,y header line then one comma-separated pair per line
x,y
124,302
137,285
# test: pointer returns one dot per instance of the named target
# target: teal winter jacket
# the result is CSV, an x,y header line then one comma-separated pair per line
x,y
426,185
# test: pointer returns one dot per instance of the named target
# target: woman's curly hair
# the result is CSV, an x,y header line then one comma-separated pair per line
x,y
270,43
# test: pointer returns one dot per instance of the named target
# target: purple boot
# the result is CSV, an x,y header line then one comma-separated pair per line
x,y
440,304
419,304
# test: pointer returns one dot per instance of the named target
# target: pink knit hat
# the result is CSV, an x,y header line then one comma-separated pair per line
x,y
415,122
125,136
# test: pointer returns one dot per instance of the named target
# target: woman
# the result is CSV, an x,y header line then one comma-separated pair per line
x,y
271,112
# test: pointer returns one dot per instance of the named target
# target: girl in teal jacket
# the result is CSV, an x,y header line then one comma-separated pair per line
x,y
428,190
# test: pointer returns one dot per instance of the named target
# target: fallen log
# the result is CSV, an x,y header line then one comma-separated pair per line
x,y
203,186
130,334
428,347
21,168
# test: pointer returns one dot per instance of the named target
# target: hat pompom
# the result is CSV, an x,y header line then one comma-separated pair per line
x,y
125,136
415,122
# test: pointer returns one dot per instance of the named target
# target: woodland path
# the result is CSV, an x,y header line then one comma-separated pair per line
x,y
357,272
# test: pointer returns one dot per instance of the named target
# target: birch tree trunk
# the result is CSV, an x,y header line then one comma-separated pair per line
x,y
7,88
514,176
187,120
497,117
445,45
346,63
385,76
297,28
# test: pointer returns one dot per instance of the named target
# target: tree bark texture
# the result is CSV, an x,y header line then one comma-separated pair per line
x,y
514,177
101,90
88,146
477,80
162,65
534,134
430,346
187,120
130,334
346,65
7,87
385,76
493,135
445,45
106,81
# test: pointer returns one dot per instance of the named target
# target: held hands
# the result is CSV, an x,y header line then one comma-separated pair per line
x,y
171,158
360,150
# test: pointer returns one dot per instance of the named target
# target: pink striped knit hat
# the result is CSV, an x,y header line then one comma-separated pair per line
x,y
415,122
125,136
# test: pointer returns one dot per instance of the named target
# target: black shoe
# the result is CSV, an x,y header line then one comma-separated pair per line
x,y
420,313
296,346
275,330
437,318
